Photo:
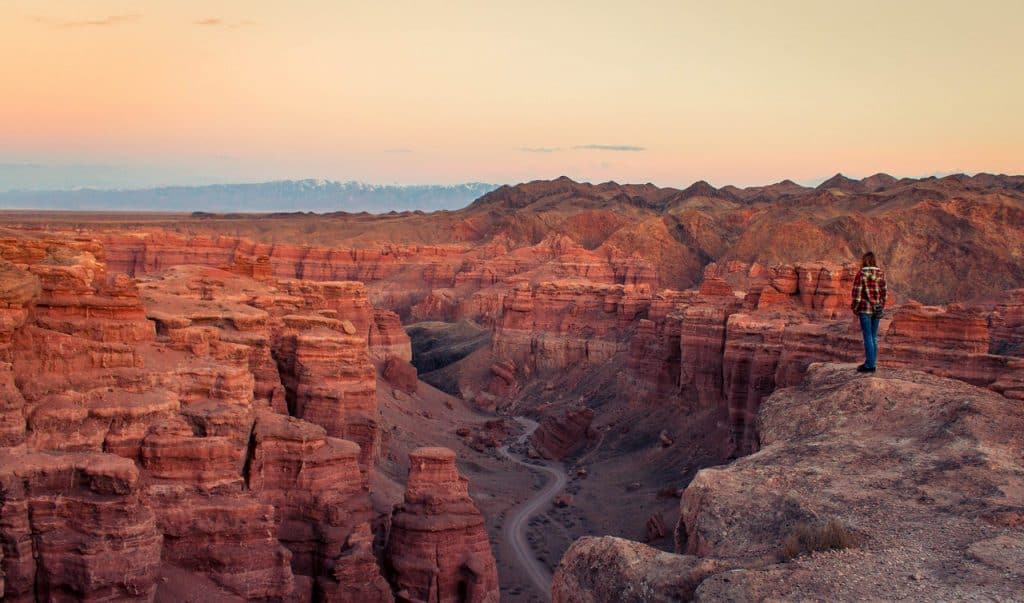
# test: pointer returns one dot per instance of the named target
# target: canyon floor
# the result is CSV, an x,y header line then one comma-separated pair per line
x,y
414,406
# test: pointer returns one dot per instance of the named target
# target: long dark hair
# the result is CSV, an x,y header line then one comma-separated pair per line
x,y
868,260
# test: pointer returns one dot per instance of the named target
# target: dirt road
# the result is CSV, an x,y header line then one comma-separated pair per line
x,y
519,517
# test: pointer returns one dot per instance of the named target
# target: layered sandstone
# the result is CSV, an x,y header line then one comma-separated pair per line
x,y
609,233
561,323
438,549
391,348
914,474
192,306
18,288
560,435
136,408
401,374
174,370
654,355
952,341
78,298
335,386
321,504
728,345
702,342
306,343
75,527
387,338
231,539
1007,325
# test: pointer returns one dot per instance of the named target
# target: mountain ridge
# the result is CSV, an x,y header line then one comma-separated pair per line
x,y
319,195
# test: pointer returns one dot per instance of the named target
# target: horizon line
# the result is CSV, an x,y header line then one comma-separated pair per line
x,y
808,182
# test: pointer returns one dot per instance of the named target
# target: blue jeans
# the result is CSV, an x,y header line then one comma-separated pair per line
x,y
869,327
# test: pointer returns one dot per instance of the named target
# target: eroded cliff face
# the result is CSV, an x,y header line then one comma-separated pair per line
x,y
438,549
184,372
557,436
567,274
746,331
439,282
75,526
195,422
322,506
561,323
631,234
182,366
921,475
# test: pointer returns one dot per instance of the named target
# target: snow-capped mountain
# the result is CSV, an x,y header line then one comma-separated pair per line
x,y
315,195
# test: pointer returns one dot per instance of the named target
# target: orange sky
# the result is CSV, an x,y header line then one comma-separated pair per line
x,y
434,92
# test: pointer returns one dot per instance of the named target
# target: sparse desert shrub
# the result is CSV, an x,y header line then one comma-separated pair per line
x,y
807,537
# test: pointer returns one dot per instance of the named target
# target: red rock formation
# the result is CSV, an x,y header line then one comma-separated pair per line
x,y
716,287
392,348
192,306
18,289
332,384
562,323
887,466
784,279
839,432
321,504
1007,326
401,374
100,420
699,346
751,357
610,233
231,539
78,299
964,329
12,404
171,452
598,569
564,272
1011,382
356,575
438,549
824,286
702,345
654,348
176,403
653,357
438,304
947,341
75,528
387,337
558,436
257,267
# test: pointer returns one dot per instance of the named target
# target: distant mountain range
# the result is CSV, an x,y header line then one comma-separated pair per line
x,y
319,196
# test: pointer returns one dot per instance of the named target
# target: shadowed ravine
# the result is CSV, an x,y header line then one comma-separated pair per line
x,y
519,519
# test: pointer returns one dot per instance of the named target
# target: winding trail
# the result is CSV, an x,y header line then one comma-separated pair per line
x,y
520,516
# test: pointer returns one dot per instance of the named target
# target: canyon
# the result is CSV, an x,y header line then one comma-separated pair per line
x,y
288,407
202,423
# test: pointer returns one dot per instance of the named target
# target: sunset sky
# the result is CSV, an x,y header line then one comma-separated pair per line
x,y
120,93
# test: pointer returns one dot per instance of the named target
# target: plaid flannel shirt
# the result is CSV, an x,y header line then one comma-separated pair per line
x,y
868,291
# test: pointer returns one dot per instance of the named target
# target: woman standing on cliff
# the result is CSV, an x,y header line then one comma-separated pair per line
x,y
868,304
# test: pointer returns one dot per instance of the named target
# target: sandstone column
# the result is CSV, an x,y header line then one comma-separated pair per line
x,y
438,550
